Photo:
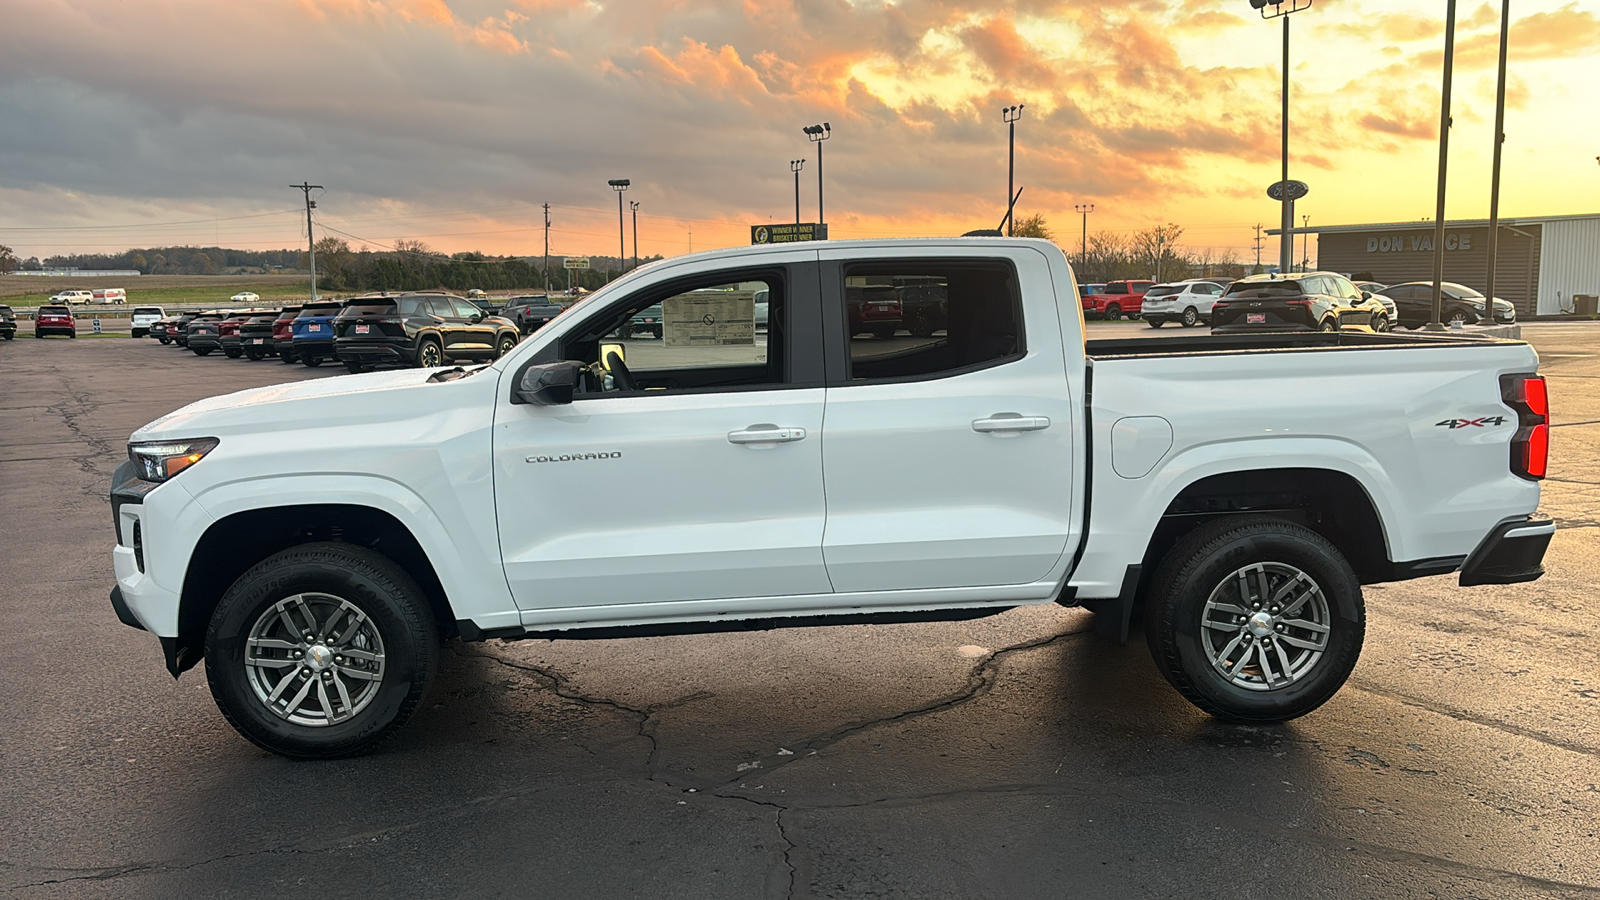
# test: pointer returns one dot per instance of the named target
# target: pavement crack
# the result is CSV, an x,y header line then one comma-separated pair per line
x,y
1461,715
788,882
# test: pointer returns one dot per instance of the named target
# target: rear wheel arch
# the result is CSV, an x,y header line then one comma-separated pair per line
x,y
1332,503
218,559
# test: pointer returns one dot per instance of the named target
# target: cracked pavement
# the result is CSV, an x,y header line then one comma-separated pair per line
x,y
1014,756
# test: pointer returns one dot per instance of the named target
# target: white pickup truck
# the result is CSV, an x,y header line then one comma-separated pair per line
x,y
315,542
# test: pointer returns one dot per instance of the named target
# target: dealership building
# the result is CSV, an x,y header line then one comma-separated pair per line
x,y
1543,260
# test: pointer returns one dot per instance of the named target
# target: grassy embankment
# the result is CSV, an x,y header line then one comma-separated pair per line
x,y
24,292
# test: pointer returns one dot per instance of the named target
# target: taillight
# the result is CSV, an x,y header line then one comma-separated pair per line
x,y
1302,303
1530,446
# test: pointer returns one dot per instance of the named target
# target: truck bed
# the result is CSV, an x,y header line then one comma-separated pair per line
x,y
1118,348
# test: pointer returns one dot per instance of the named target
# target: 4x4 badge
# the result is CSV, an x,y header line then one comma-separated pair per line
x,y
1471,423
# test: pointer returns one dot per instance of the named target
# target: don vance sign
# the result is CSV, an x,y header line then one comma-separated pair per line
x,y
1422,243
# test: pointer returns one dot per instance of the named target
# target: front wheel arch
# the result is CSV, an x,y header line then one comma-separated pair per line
x,y
215,563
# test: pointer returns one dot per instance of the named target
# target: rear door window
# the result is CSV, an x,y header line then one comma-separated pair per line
x,y
980,326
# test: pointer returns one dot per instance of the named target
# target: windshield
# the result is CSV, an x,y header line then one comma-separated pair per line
x,y
1164,290
1461,290
146,311
368,308
53,311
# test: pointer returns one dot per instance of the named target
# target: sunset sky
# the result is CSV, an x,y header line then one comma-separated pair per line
x,y
449,121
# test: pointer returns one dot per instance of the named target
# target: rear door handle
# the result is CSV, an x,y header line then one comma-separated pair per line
x,y
766,434
1010,423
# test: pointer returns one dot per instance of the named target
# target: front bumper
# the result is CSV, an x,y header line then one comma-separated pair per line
x,y
1512,553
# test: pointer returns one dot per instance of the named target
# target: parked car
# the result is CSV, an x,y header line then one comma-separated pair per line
x,y
1459,304
420,329
486,304
8,323
228,332
145,316
763,303
71,297
178,329
329,537
255,334
1308,301
1186,302
874,310
161,329
924,304
1371,287
55,319
245,297
531,312
650,320
312,331
203,334
283,333
1118,299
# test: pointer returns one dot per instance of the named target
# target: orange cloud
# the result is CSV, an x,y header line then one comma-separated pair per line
x,y
1413,128
721,70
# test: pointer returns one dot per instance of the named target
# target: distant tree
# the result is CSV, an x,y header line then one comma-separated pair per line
x,y
1033,226
8,260
138,261
32,264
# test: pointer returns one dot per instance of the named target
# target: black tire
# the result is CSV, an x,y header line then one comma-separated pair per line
x,y
255,355
429,354
883,334
657,331
165,340
1113,313
37,334
353,367
11,335
232,352
200,352
311,359
1328,325
287,356
506,344
73,335
1381,325
1205,566
395,610
1191,317
1459,315
1155,323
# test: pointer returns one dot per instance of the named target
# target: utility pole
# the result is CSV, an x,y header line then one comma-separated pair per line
x,y
311,240
795,165
1010,115
1084,209
547,249
1499,138
1444,158
1305,244
1258,247
634,205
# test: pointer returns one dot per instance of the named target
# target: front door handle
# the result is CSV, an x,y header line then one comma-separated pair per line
x,y
1010,423
766,434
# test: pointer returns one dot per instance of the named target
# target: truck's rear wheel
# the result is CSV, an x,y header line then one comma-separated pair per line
x,y
1255,619
321,651
1113,313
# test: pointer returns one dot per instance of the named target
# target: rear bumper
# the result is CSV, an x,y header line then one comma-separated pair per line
x,y
320,346
204,342
378,351
55,329
282,345
1512,553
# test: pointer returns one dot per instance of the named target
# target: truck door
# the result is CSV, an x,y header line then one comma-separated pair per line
x,y
692,471
947,459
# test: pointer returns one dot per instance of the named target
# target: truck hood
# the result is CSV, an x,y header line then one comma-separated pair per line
x,y
371,398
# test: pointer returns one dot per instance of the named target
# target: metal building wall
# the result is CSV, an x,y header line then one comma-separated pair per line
x,y
1570,264
1517,273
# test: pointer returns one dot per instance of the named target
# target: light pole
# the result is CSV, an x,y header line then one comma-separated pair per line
x,y
1282,9
795,165
1499,138
1083,209
1444,158
1305,244
1010,115
817,134
634,205
619,185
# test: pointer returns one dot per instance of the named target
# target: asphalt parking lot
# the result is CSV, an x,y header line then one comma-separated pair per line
x,y
1015,756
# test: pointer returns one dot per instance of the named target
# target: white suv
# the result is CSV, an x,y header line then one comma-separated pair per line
x,y
1188,302
144,317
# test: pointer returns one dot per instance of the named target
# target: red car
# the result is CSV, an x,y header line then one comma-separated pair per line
x,y
55,320
875,310
1119,299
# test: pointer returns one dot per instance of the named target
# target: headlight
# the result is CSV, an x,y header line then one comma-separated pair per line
x,y
161,460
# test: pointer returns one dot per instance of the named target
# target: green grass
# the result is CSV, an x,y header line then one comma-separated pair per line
x,y
162,290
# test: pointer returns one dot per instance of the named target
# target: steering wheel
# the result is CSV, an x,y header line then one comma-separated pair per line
x,y
620,376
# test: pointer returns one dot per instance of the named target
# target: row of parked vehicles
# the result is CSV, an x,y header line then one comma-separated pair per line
x,y
1305,301
421,328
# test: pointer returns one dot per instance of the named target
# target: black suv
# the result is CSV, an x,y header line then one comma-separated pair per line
x,y
8,322
1306,301
422,329
531,312
255,334
203,334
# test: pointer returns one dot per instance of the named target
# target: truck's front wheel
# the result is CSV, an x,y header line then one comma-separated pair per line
x,y
321,651
1255,619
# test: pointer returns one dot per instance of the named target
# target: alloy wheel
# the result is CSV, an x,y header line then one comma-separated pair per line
x,y
1265,626
314,659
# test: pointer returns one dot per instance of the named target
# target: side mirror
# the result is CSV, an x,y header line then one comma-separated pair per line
x,y
550,384
476,318
1366,295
